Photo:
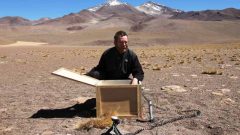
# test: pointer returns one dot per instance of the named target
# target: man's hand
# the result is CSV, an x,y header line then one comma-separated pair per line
x,y
134,81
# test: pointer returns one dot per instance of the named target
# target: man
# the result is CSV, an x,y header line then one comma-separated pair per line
x,y
118,62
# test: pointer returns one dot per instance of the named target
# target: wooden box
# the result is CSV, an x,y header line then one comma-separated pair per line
x,y
113,97
119,98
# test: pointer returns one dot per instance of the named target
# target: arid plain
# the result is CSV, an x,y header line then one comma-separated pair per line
x,y
202,58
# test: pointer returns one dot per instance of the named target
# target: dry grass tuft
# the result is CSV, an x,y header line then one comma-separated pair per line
x,y
234,58
3,57
81,70
181,62
212,71
143,55
101,123
145,65
21,61
237,63
166,66
156,67
46,55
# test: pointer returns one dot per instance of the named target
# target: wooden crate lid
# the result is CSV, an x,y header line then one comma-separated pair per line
x,y
63,72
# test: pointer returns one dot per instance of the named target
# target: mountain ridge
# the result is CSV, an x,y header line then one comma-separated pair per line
x,y
113,9
105,11
209,15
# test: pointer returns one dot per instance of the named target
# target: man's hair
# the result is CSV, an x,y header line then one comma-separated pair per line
x,y
119,34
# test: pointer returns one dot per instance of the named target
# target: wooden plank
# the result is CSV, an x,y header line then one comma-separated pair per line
x,y
98,100
76,76
139,104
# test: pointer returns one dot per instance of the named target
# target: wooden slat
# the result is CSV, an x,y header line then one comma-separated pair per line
x,y
76,76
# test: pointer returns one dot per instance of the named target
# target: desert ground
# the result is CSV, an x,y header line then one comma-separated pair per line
x,y
192,74
209,74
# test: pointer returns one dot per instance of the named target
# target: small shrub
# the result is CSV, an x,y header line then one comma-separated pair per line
x,y
100,123
3,57
145,65
237,63
75,28
212,71
156,67
80,70
181,62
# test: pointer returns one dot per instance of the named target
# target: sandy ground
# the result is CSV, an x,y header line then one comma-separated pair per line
x,y
23,43
27,89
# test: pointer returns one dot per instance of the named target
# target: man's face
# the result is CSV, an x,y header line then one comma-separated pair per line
x,y
122,44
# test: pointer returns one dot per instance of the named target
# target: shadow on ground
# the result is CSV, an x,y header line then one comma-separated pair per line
x,y
86,110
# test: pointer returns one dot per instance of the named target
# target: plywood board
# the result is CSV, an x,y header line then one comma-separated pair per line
x,y
114,82
76,76
122,101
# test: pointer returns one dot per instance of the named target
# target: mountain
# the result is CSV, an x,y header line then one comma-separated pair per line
x,y
112,9
83,16
109,3
232,11
117,13
115,9
154,9
209,15
41,20
14,21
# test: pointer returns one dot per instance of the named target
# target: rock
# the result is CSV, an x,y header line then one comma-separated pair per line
x,y
217,93
3,62
194,76
225,90
174,88
21,61
3,110
45,55
8,129
233,77
47,133
81,99
175,74
228,101
215,130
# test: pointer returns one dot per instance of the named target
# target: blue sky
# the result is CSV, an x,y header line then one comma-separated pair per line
x,y
36,9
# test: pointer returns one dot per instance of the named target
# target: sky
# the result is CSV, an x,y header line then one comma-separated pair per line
x,y
36,9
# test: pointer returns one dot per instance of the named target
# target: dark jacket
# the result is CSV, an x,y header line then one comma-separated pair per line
x,y
114,65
